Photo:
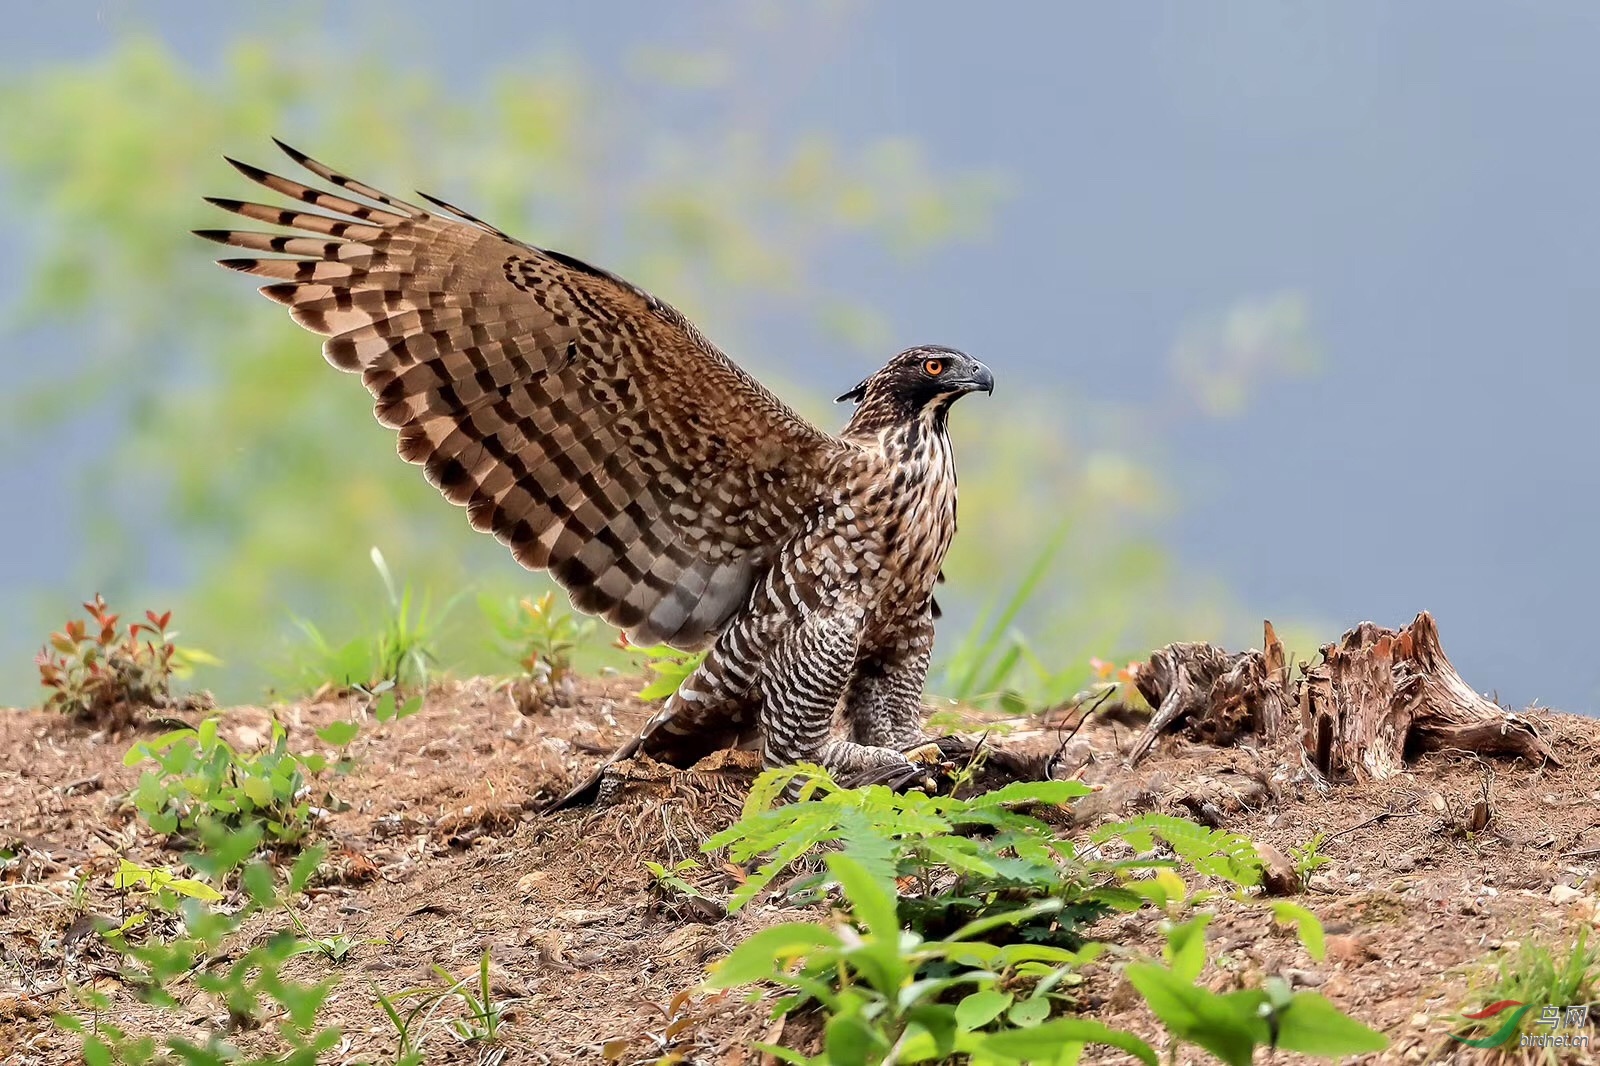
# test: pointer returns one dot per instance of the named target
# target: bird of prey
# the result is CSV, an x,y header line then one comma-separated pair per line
x,y
597,434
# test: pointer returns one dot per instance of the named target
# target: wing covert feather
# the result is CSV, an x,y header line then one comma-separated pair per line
x,y
585,424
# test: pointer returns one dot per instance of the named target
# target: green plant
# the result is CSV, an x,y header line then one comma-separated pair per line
x,y
1308,857
408,1041
147,888
485,1014
890,994
484,1017
102,674
1233,1025
963,859
995,663
671,667
201,779
963,927
249,984
1216,853
399,650
539,634
385,706
1541,982
991,651
671,879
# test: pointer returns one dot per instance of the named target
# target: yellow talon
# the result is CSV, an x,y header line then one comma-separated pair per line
x,y
927,754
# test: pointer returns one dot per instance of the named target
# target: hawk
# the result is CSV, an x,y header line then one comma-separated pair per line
x,y
595,432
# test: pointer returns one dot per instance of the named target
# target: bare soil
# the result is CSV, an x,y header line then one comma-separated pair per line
x,y
441,854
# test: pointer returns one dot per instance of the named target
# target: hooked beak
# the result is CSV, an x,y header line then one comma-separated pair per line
x,y
978,379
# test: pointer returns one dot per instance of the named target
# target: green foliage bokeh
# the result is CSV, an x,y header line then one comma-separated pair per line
x,y
242,482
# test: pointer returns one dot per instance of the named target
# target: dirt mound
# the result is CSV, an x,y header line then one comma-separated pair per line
x,y
441,854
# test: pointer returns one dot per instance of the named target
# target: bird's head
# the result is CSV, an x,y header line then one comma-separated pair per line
x,y
918,383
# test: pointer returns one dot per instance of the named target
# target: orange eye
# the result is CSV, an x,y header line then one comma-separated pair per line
x,y
933,367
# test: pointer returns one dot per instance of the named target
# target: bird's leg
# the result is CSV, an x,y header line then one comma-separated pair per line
x,y
804,679
884,707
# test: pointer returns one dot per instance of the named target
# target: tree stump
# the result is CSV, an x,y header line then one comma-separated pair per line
x,y
1377,699
1219,695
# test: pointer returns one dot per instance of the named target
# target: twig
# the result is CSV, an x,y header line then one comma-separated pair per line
x,y
1083,718
1381,816
1055,757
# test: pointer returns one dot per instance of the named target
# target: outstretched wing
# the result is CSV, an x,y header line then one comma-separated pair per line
x,y
587,425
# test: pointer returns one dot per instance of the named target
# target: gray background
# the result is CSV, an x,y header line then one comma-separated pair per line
x,y
1423,173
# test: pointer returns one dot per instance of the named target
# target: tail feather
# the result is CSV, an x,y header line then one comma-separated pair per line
x,y
710,711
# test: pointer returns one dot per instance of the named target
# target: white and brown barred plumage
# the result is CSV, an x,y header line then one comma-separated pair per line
x,y
596,432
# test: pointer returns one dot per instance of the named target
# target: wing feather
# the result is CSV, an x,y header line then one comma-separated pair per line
x,y
585,424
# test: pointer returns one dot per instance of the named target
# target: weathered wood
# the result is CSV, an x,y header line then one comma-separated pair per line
x,y
1377,699
1380,698
1218,696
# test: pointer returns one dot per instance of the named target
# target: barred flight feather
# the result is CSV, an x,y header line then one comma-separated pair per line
x,y
582,422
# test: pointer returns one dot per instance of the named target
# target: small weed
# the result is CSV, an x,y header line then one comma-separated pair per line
x,y
408,1044
1233,1025
995,664
672,879
990,653
1216,853
671,667
103,675
1308,857
146,890
251,986
201,779
399,650
1545,983
889,993
684,898
485,1014
385,707
961,860
412,1024
540,635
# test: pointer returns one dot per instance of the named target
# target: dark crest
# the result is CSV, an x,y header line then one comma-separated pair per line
x,y
855,395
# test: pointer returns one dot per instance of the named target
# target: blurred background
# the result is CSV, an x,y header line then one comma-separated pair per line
x,y
1292,307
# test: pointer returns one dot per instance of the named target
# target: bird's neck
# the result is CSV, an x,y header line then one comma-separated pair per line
x,y
885,420
921,442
